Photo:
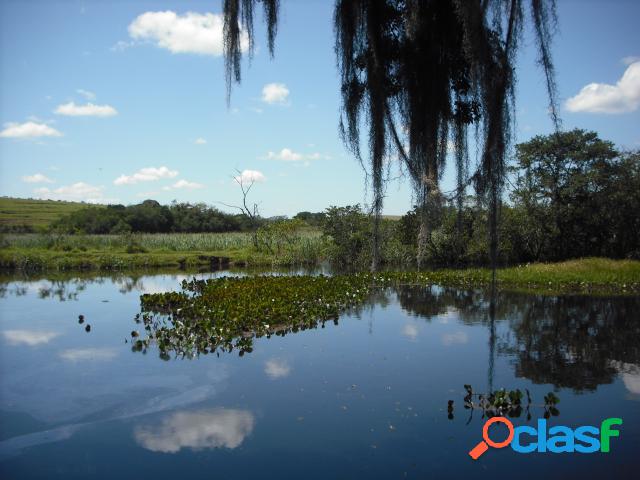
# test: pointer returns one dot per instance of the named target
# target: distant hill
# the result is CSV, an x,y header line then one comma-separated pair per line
x,y
27,214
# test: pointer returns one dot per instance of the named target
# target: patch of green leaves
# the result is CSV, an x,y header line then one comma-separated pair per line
x,y
501,403
227,313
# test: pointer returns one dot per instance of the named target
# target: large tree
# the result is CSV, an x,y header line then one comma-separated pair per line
x,y
579,194
417,73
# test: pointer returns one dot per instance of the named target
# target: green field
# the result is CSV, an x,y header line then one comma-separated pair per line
x,y
35,214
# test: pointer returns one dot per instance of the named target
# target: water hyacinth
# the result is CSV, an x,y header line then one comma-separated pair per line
x,y
500,403
226,313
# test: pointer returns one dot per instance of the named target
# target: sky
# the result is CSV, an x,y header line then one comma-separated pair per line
x,y
120,101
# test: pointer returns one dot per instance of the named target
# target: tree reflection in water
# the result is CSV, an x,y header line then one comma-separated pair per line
x,y
568,341
576,342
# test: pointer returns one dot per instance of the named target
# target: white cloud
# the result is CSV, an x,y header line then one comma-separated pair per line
x,y
622,97
148,174
288,155
188,33
89,110
248,176
86,94
197,430
277,368
630,59
200,141
273,93
36,178
84,354
79,192
456,338
184,184
28,130
28,337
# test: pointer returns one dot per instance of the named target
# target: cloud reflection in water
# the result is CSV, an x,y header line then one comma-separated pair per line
x,y
83,354
410,331
276,368
28,337
198,430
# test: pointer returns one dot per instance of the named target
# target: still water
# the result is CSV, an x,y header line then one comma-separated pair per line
x,y
365,397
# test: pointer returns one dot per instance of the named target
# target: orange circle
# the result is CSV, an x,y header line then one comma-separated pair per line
x,y
485,432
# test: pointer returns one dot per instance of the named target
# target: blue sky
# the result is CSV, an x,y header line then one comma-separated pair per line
x,y
122,101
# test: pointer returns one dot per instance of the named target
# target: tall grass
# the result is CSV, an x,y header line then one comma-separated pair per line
x,y
171,242
61,251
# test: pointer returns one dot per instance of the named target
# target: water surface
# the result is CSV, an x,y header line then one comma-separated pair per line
x,y
365,397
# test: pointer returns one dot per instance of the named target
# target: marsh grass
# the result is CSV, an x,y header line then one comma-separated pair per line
x,y
113,252
308,247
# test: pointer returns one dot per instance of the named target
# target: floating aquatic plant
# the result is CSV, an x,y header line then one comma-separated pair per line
x,y
227,313
500,403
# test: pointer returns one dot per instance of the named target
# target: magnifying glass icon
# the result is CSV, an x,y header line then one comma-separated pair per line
x,y
484,445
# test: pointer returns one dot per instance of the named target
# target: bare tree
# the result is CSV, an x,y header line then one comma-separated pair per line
x,y
250,211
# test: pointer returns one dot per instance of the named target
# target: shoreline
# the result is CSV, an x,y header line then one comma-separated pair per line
x,y
581,276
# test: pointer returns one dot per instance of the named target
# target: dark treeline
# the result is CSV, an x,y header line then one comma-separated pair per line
x,y
150,217
572,195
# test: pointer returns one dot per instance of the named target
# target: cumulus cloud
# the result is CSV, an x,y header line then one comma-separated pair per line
x,y
36,178
200,141
30,338
79,192
630,59
84,354
288,155
28,130
184,184
198,430
248,176
148,174
622,97
188,33
277,368
275,93
86,94
89,110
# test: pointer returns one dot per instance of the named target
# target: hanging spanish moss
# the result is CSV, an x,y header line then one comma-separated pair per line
x,y
417,74
238,33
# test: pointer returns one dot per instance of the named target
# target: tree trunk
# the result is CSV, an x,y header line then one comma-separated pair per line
x,y
429,213
423,232
375,254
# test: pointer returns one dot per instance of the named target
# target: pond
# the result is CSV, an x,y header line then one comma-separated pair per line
x,y
365,396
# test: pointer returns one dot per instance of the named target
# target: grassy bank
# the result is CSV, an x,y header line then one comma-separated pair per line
x,y
586,275
59,253
124,252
